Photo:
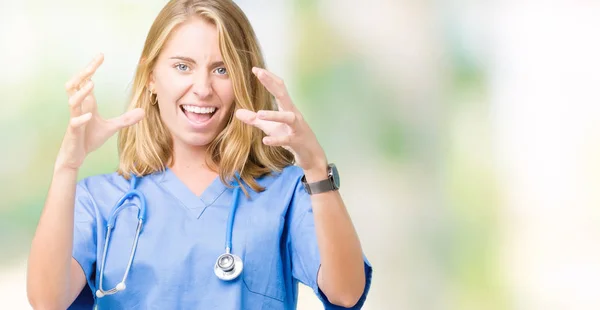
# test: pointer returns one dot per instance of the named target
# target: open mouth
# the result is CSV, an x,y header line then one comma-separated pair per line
x,y
198,114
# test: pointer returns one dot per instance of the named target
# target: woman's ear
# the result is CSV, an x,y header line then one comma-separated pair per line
x,y
151,83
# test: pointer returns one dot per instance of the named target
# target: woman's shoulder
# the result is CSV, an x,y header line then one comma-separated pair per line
x,y
292,172
288,175
101,184
284,182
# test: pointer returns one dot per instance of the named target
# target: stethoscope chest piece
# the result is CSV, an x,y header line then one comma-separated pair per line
x,y
228,266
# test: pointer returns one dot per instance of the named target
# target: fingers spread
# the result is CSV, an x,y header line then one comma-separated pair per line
x,y
277,140
276,87
286,117
77,98
79,121
246,116
250,118
128,118
76,81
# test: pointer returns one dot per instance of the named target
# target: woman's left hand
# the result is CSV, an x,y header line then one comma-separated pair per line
x,y
286,127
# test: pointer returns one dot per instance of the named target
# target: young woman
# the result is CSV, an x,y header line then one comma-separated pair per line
x,y
223,199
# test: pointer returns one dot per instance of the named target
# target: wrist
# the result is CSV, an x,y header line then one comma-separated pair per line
x,y
62,168
316,173
321,180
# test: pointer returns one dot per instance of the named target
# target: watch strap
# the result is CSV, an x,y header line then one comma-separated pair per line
x,y
319,186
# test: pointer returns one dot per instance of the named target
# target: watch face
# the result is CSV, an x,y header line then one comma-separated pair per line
x,y
335,175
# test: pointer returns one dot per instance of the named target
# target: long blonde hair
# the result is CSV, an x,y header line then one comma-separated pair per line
x,y
147,147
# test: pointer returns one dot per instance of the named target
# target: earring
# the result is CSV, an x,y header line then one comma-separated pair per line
x,y
155,101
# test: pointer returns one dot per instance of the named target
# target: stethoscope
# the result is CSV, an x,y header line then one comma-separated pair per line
x,y
227,267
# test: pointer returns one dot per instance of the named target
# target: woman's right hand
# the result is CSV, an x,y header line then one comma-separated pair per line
x,y
87,130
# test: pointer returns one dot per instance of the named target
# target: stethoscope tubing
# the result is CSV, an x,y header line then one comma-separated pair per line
x,y
221,273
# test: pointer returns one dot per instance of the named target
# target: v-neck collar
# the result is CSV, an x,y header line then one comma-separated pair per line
x,y
196,204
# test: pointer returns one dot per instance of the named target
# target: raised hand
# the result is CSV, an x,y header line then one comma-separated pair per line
x,y
87,130
285,127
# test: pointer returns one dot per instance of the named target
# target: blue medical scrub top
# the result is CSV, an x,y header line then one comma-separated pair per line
x,y
183,234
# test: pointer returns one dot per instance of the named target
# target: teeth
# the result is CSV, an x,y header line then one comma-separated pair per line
x,y
199,110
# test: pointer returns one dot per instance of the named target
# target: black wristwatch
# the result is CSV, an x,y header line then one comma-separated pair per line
x,y
332,183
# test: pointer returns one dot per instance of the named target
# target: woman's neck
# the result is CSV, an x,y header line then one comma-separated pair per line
x,y
189,164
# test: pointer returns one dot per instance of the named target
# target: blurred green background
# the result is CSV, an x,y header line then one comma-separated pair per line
x,y
466,134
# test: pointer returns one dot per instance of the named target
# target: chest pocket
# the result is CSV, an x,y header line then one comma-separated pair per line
x,y
263,269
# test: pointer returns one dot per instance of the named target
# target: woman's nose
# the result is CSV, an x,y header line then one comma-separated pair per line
x,y
202,86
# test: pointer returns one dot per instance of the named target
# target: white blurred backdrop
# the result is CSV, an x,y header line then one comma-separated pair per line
x,y
467,134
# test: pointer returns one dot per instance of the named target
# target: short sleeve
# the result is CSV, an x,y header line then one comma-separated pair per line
x,y
305,252
84,232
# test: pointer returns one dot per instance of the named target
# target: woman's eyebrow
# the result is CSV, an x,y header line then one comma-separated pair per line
x,y
188,59
216,64
192,61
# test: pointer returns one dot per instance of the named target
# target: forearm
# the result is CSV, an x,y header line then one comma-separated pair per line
x,y
341,276
49,260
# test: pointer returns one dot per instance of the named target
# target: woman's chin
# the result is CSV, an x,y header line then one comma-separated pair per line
x,y
199,141
195,139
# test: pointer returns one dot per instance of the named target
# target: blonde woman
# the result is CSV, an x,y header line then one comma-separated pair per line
x,y
223,199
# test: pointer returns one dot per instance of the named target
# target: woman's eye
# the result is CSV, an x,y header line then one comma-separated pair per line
x,y
221,71
182,67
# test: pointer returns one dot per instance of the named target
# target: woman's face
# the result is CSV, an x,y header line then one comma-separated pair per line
x,y
194,91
